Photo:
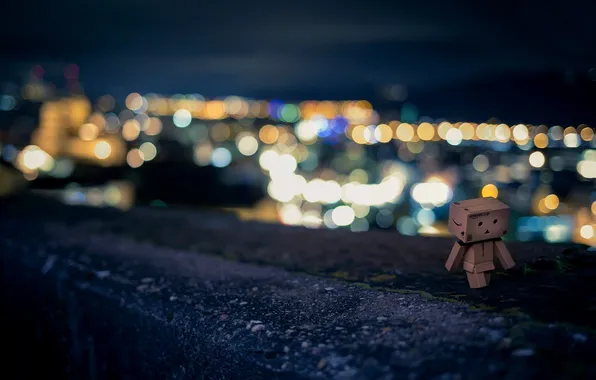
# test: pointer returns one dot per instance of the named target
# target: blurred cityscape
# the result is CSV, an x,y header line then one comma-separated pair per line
x,y
318,164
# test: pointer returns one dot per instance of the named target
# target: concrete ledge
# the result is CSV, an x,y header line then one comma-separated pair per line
x,y
82,303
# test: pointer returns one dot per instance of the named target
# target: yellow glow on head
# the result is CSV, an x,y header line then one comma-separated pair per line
x,y
490,190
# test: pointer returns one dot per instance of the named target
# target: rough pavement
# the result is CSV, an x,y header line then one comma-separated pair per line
x,y
121,307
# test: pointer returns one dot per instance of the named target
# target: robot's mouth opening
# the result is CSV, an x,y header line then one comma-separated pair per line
x,y
487,232
456,223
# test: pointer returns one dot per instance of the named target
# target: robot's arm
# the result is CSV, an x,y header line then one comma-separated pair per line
x,y
503,255
455,257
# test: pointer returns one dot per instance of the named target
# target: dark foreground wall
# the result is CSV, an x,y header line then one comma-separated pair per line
x,y
61,325
89,294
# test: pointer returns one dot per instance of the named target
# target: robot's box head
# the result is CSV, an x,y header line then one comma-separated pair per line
x,y
479,219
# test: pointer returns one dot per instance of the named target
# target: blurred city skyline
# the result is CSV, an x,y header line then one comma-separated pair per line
x,y
508,51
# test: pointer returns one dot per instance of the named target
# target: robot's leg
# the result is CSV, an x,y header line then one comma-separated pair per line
x,y
478,280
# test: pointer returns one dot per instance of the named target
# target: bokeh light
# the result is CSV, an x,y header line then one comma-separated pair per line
x,y
490,190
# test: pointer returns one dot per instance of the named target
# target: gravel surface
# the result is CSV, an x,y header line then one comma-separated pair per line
x,y
183,313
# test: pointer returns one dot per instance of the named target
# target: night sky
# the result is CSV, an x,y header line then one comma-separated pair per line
x,y
318,49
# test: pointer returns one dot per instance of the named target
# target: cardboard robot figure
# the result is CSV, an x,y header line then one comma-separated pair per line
x,y
478,225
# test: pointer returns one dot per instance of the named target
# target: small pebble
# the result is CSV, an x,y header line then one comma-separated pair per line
x,y
256,328
322,363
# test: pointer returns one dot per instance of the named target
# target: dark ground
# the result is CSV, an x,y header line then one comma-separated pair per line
x,y
164,293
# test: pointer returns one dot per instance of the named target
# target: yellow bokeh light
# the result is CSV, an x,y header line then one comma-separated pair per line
x,y
220,132
306,131
541,140
593,207
383,133
32,157
587,134
134,101
148,150
269,134
153,126
542,207
467,131
520,132
443,128
569,131
502,133
359,134
586,232
88,132
215,109
247,145
551,202
537,159
102,150
134,158
426,131
490,190
131,130
404,132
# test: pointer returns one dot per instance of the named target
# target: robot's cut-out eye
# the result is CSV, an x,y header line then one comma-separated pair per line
x,y
495,221
479,224
462,233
